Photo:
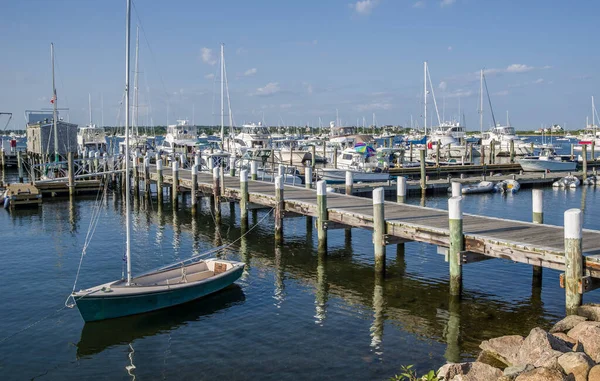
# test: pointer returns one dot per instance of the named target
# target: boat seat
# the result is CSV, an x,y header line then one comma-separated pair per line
x,y
199,276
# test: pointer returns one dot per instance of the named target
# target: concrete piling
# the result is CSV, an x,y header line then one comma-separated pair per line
x,y
175,188
159,180
379,229
349,182
217,192
279,209
455,218
244,197
538,218
308,177
254,170
194,188
401,190
322,215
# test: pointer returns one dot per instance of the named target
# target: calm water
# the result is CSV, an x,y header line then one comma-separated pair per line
x,y
293,315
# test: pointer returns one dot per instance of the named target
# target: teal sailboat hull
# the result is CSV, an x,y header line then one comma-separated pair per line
x,y
105,304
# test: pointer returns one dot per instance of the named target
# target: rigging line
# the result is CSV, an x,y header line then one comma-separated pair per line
x,y
489,100
32,324
137,15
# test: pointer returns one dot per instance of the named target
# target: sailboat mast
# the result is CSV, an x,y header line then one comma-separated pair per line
x,y
127,158
425,94
593,114
136,93
222,97
481,102
90,107
54,106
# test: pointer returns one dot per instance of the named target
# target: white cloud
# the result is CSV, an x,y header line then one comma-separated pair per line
x,y
449,48
518,68
374,106
364,7
207,56
447,3
209,76
539,80
460,93
443,85
250,72
269,89
419,4
285,106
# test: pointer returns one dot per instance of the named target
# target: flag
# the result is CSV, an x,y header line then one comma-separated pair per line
x,y
53,99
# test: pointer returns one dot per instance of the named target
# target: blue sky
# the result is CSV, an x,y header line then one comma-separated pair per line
x,y
296,61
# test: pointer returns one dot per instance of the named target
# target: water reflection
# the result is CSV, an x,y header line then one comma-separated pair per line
x,y
378,314
279,293
322,291
98,336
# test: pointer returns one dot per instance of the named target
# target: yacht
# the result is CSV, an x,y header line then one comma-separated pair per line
x,y
181,137
502,136
252,135
91,139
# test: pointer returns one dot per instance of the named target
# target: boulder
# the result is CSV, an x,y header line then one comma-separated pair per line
x,y
567,323
590,311
542,374
566,338
577,364
512,372
504,350
470,371
588,334
542,349
594,374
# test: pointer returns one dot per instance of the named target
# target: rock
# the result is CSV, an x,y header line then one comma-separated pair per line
x,y
503,349
567,323
594,374
470,371
566,338
542,374
590,311
588,334
578,364
512,372
542,349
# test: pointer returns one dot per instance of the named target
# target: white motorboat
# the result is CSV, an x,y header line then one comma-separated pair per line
x,y
547,161
181,137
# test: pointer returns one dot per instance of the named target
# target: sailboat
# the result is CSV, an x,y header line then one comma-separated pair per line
x,y
168,286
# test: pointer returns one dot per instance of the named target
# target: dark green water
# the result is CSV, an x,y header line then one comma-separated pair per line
x,y
295,315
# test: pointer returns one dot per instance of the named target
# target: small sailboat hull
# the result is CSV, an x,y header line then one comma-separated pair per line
x,y
536,165
115,299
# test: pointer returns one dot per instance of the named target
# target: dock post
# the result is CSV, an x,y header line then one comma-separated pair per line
x,y
136,173
573,260
572,151
492,152
379,229
512,151
401,190
3,160
423,173
411,151
175,185
279,209
471,153
253,170
281,170
147,174
455,218
70,168
217,192
20,166
159,180
584,156
96,161
194,188
335,157
197,160
437,153
593,150
222,180
349,182
322,215
537,196
244,198
313,155
456,189
232,166
325,150
482,155
308,177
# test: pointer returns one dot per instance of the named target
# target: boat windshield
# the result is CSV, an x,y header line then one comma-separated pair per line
x,y
504,130
342,131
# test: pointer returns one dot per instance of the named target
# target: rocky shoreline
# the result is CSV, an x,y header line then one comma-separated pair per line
x,y
570,350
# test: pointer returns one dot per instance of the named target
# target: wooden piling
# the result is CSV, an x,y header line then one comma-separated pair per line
x,y
455,218
254,170
244,197
20,165
537,196
322,215
175,188
456,189
512,151
313,155
573,260
411,151
593,150
401,190
584,156
423,173
308,177
572,151
379,229
71,174
159,180
217,192
349,182
279,208
482,154
232,166
437,153
335,155
194,188
146,174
